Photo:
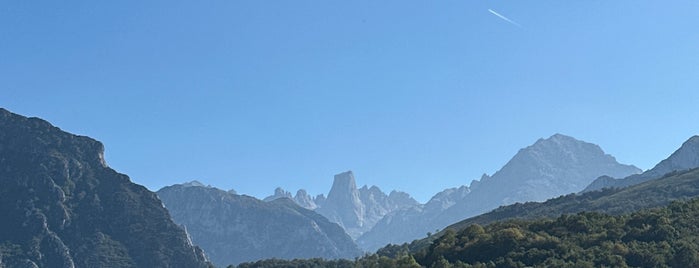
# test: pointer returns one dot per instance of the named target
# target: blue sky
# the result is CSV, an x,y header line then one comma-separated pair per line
x,y
410,95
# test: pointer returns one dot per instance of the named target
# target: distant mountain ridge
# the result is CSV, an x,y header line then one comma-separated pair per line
x,y
62,206
680,185
237,228
550,167
356,210
302,198
684,158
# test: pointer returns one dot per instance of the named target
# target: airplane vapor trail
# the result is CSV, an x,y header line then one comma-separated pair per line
x,y
504,18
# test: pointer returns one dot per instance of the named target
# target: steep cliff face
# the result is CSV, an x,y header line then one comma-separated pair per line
x,y
62,206
358,210
684,158
236,228
343,205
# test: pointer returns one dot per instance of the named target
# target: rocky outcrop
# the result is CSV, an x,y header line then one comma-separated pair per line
x,y
236,228
404,225
343,205
278,193
358,210
62,206
303,199
684,158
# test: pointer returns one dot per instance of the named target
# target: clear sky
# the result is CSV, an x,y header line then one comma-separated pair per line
x,y
411,95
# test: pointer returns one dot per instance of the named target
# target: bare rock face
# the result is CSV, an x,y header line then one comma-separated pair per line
x,y
358,210
278,193
343,205
63,207
684,158
303,199
401,225
236,228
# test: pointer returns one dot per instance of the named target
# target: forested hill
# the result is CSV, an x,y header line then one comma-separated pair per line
x,y
661,237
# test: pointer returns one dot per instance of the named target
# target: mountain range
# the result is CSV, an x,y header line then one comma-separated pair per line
x,y
684,158
550,167
235,228
652,224
356,210
656,190
62,206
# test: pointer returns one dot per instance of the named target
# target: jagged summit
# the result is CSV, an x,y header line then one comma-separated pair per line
x,y
305,200
238,228
684,158
278,193
357,210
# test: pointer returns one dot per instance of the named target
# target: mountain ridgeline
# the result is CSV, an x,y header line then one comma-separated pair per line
x,y
548,168
684,158
62,206
237,228
658,192
567,231
356,210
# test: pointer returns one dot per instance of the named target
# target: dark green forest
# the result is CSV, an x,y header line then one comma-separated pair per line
x,y
661,237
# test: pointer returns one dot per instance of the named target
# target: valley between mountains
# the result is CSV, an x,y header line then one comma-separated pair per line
x,y
63,206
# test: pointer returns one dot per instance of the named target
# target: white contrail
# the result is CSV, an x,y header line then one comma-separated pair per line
x,y
504,18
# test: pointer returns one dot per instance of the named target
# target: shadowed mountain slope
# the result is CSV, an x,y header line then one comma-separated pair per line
x,y
62,206
236,228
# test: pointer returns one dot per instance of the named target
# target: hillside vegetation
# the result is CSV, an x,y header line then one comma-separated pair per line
x,y
655,193
661,237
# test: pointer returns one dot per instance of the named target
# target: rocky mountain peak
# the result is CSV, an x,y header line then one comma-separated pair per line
x,y
560,142
548,168
343,182
239,228
561,162
303,199
278,193
343,205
